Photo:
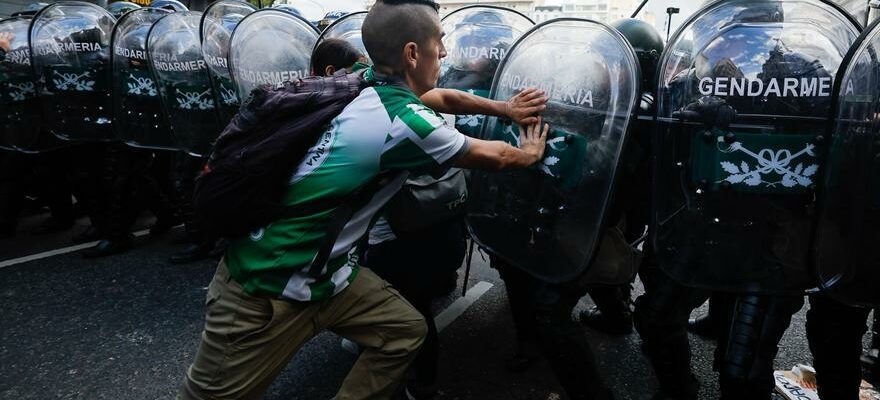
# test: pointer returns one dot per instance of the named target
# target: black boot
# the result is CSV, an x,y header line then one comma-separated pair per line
x,y
192,252
109,247
703,326
612,314
611,324
91,234
53,225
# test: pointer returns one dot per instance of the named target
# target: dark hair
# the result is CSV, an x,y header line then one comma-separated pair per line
x,y
430,3
336,52
391,24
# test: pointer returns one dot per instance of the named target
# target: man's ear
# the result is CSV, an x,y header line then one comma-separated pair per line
x,y
411,55
329,70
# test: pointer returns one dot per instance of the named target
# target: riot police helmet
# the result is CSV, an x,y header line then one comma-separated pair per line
x,y
119,8
172,5
647,43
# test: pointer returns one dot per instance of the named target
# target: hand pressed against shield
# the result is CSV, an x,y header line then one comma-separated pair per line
x,y
524,107
6,40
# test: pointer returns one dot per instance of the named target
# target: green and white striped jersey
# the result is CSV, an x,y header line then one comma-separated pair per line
x,y
386,128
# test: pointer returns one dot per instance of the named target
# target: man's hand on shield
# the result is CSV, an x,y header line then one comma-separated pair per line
x,y
6,40
533,138
524,107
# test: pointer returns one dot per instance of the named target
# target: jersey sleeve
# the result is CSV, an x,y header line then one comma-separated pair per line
x,y
420,139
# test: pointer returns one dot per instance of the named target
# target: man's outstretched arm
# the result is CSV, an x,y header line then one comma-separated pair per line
x,y
523,108
496,155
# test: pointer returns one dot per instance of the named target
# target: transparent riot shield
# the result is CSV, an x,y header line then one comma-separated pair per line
x,y
270,46
70,52
847,260
548,220
21,121
137,109
477,39
347,28
744,91
666,15
217,24
175,56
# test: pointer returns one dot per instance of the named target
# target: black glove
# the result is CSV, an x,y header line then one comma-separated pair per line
x,y
712,111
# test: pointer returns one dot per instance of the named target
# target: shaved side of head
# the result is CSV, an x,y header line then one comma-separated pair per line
x,y
391,24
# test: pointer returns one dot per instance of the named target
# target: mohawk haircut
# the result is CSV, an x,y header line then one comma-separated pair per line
x,y
391,24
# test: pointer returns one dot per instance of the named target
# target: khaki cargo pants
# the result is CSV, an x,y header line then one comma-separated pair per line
x,y
248,340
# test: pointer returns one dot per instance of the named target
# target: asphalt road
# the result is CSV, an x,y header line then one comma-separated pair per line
x,y
126,327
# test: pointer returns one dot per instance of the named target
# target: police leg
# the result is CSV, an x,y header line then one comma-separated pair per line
x,y
11,191
519,287
746,350
52,184
834,332
200,244
612,313
121,209
661,316
565,344
87,163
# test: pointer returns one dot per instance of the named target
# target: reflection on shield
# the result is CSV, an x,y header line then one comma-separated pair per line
x,y
846,255
547,220
137,110
347,28
268,47
477,39
745,89
182,78
21,121
70,50
217,24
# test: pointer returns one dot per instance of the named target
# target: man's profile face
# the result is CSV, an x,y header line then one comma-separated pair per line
x,y
427,71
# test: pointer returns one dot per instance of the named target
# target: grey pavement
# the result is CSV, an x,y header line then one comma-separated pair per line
x,y
127,326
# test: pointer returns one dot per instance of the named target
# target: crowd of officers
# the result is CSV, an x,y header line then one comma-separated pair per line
x,y
113,184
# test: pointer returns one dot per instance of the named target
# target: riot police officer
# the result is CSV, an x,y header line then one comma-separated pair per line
x,y
612,313
708,200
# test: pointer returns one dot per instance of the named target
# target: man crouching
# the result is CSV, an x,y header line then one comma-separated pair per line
x,y
263,304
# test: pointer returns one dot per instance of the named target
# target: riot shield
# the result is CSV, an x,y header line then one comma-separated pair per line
x,y
347,28
137,110
744,90
181,73
847,260
21,121
666,15
548,220
477,39
270,46
217,24
70,52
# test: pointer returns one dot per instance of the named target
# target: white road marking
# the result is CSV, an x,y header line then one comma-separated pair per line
x,y
63,250
461,305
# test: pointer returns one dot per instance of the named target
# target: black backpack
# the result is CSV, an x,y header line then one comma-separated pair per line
x,y
241,186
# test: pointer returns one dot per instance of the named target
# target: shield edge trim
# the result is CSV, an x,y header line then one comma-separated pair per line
x,y
869,32
321,36
491,6
214,4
